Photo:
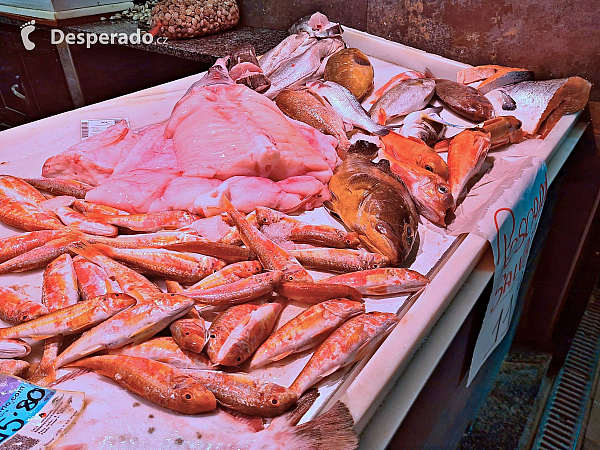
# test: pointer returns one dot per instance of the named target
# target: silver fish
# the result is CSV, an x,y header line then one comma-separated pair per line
x,y
541,104
405,97
291,46
303,67
418,124
347,106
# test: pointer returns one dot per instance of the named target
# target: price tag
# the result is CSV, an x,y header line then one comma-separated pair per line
x,y
515,227
31,416
92,127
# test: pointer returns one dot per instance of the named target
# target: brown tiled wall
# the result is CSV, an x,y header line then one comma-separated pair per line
x,y
555,38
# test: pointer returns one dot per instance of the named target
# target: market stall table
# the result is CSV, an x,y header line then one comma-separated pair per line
x,y
459,267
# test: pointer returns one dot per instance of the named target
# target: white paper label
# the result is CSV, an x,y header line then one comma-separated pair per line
x,y
92,127
31,416
515,226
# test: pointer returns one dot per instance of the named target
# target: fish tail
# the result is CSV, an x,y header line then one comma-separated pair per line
x,y
226,204
332,429
428,73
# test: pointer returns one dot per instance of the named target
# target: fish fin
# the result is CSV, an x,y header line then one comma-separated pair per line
x,y
508,103
281,356
334,426
41,338
255,423
142,333
226,204
85,249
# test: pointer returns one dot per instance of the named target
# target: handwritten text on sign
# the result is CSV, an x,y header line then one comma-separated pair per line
x,y
515,229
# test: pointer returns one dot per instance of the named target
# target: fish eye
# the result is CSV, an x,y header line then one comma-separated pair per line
x,y
25,318
428,167
348,241
264,219
442,189
375,266
238,359
212,336
274,401
290,278
188,396
187,333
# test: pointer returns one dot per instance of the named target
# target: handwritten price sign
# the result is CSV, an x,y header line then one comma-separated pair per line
x,y
515,229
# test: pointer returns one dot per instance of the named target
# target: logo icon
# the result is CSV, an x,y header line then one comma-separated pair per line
x,y
26,30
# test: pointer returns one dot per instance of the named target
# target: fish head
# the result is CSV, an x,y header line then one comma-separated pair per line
x,y
117,301
433,162
435,197
31,310
276,399
393,240
267,216
189,393
297,274
248,268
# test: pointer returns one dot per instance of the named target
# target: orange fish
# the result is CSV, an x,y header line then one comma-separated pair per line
x,y
72,319
190,331
307,330
16,245
240,291
312,234
133,325
229,274
157,382
59,290
87,207
349,343
14,348
92,279
129,280
162,220
164,349
271,256
76,220
60,186
17,308
178,266
223,325
430,192
414,151
18,189
385,281
40,256
248,334
339,259
317,292
26,216
14,367
246,394
466,155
